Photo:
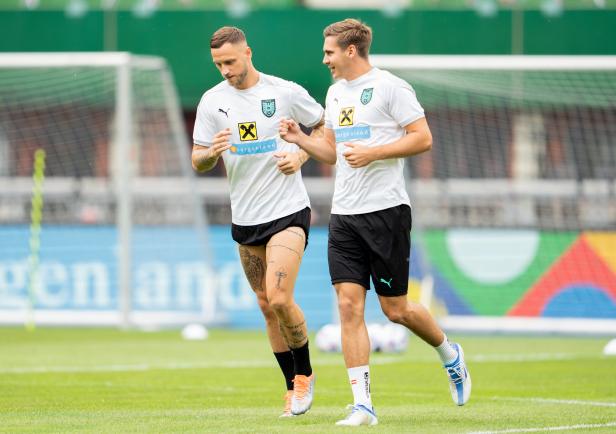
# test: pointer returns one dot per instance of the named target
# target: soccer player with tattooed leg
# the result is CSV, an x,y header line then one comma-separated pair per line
x,y
372,122
239,120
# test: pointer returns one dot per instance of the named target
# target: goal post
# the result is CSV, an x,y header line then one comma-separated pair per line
x,y
516,201
125,236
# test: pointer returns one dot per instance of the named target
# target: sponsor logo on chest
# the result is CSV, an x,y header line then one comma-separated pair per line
x,y
247,130
249,143
345,118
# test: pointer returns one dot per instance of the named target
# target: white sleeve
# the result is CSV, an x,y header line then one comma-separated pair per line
x,y
204,131
304,109
328,118
403,105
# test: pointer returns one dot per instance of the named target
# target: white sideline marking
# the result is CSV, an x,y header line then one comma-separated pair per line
x,y
384,360
531,357
561,401
129,368
170,366
548,428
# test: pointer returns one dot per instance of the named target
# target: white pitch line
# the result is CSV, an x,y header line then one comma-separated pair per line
x,y
230,364
382,360
132,368
560,401
515,357
548,428
531,357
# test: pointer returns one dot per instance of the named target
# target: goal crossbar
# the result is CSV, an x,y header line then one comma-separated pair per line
x,y
494,62
58,60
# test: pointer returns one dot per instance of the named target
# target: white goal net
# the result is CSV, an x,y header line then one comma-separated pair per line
x,y
517,200
124,236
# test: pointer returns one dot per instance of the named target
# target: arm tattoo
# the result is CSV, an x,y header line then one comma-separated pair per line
x,y
253,268
318,129
303,156
280,274
204,161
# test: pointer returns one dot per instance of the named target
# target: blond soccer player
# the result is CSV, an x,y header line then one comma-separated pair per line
x,y
373,121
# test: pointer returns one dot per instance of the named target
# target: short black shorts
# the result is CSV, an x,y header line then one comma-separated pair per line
x,y
259,235
376,244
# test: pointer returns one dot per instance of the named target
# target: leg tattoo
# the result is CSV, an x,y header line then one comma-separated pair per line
x,y
300,233
295,334
288,248
253,268
280,274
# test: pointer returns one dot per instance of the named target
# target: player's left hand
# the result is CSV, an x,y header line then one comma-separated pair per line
x,y
357,155
289,131
288,162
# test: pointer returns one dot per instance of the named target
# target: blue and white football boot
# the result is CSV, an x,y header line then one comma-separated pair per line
x,y
459,378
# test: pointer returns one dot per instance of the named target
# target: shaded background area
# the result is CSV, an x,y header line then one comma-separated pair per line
x,y
179,31
288,41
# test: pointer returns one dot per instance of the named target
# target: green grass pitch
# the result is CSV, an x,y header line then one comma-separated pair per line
x,y
109,381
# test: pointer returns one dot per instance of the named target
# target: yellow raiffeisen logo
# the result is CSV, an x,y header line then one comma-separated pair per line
x,y
248,131
346,116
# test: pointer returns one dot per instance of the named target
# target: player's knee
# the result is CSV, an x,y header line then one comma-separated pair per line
x,y
266,309
395,314
280,303
348,310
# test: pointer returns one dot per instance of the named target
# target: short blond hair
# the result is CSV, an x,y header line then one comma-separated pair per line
x,y
351,32
226,34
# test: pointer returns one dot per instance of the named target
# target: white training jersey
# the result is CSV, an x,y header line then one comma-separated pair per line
x,y
260,193
371,110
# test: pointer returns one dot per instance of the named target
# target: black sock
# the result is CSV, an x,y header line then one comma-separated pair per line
x,y
301,356
287,366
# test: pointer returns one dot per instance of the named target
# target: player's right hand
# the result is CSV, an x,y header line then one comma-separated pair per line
x,y
220,143
289,131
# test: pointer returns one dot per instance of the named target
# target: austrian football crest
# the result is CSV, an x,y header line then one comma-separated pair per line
x,y
268,107
366,95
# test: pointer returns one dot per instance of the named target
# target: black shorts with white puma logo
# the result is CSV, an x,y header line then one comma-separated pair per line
x,y
374,245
